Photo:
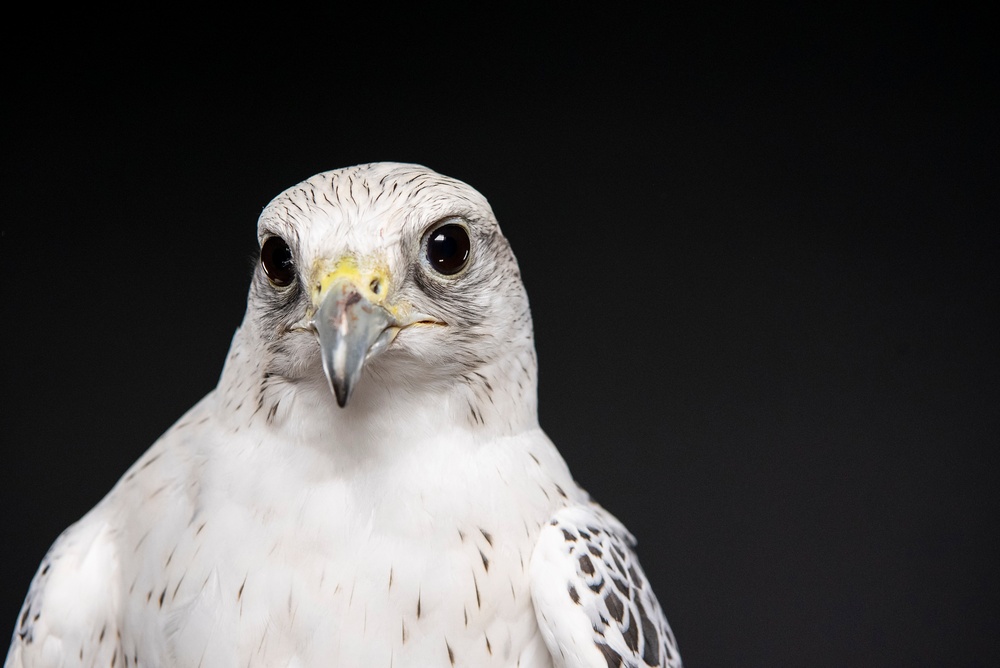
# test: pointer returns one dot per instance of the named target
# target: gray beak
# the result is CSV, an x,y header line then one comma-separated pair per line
x,y
350,329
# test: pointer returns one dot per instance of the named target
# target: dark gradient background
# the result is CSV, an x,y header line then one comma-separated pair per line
x,y
761,250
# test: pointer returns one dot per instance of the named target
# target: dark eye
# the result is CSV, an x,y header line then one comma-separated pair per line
x,y
276,259
448,248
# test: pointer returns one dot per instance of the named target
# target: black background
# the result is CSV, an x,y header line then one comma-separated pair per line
x,y
760,247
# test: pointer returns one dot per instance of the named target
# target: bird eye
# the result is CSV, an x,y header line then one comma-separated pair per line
x,y
448,248
276,259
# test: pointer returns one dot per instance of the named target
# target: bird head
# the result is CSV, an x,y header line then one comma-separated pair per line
x,y
391,276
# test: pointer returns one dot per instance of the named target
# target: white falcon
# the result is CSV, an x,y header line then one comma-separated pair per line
x,y
368,484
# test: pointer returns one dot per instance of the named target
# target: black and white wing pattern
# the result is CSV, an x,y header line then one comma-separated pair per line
x,y
594,605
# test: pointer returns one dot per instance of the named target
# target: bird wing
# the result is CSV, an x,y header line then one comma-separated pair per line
x,y
593,603
69,617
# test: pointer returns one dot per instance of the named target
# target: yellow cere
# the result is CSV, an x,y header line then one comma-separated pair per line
x,y
371,278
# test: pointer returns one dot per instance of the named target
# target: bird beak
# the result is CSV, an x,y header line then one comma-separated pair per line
x,y
351,328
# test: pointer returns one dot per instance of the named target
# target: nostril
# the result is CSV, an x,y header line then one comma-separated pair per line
x,y
376,286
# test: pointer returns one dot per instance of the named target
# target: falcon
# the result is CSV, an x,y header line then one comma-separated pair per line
x,y
368,485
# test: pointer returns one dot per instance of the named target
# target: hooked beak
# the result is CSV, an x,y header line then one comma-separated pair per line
x,y
351,328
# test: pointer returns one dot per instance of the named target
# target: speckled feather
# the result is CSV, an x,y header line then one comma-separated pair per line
x,y
592,598
429,523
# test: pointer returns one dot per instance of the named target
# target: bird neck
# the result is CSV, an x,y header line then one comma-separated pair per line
x,y
496,399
